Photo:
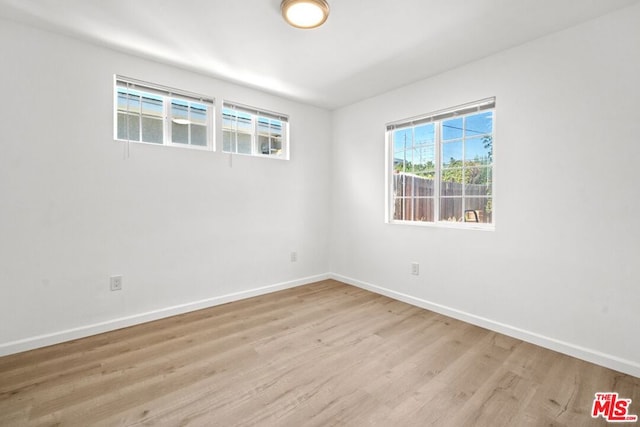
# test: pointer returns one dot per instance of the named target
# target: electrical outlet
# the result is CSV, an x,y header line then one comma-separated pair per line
x,y
415,268
116,283
294,256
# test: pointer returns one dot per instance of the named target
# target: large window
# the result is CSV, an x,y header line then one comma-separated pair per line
x,y
159,115
441,167
247,130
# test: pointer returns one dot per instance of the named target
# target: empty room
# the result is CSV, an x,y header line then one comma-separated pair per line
x,y
320,213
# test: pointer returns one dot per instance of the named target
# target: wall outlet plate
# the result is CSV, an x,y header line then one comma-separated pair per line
x,y
415,268
116,283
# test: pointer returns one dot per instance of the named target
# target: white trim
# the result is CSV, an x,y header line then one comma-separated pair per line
x,y
164,91
445,224
607,360
255,111
135,319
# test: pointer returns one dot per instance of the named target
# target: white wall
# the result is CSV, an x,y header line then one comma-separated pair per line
x,y
561,268
183,227
186,229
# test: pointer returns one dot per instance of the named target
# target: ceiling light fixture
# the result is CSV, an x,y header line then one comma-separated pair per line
x,y
305,13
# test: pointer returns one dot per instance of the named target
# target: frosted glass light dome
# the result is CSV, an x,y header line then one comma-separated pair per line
x,y
305,13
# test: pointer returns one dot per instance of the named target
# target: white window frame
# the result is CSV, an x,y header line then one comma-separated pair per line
x,y
437,118
255,115
167,95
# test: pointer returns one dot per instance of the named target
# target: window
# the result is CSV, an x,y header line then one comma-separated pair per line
x,y
159,115
246,130
441,167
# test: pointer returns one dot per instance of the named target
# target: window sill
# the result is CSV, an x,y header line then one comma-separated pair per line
x,y
261,156
446,224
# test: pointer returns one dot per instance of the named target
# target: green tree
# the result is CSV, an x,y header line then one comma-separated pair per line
x,y
453,171
488,144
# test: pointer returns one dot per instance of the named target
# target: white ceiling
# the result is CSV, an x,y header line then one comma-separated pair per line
x,y
367,47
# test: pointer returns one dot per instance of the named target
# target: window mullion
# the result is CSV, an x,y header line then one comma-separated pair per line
x,y
214,116
128,116
189,124
464,165
166,126
254,135
235,133
139,113
438,175
269,136
413,176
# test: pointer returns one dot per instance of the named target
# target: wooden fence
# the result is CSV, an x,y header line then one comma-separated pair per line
x,y
415,198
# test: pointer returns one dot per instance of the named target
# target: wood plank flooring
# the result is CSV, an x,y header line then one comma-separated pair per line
x,y
325,354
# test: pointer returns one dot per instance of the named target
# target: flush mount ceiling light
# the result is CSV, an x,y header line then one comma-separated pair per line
x,y
305,13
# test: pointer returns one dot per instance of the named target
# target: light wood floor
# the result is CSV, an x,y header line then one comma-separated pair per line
x,y
325,354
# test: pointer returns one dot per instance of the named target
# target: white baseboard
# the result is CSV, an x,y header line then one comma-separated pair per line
x,y
123,322
602,359
593,356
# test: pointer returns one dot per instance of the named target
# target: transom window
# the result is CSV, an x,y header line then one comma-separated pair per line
x,y
441,167
159,115
247,130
